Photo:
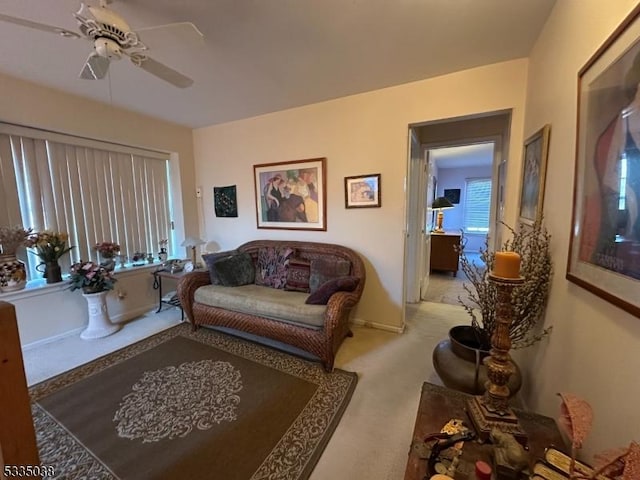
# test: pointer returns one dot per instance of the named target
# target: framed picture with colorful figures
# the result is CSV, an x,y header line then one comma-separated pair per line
x,y
291,195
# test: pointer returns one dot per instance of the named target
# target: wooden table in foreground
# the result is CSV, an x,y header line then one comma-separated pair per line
x,y
438,405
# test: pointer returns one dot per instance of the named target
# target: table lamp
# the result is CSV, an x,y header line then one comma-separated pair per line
x,y
439,204
192,242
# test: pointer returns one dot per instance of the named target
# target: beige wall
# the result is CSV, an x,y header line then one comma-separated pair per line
x,y
594,350
31,105
360,134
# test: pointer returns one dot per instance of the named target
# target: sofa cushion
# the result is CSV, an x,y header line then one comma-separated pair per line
x,y
325,269
272,265
235,270
340,284
263,301
210,259
298,275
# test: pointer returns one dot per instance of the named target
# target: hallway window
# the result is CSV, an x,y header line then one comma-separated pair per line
x,y
477,205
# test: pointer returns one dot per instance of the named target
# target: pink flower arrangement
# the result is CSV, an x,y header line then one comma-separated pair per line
x,y
107,249
91,277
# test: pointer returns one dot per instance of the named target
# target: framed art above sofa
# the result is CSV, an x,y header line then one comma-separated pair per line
x,y
291,195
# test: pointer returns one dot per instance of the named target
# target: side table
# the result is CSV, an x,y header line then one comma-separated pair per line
x,y
158,276
438,405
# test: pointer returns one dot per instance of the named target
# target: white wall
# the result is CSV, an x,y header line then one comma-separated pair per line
x,y
454,217
594,350
360,134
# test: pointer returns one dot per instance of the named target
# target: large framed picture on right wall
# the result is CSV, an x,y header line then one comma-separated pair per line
x,y
604,254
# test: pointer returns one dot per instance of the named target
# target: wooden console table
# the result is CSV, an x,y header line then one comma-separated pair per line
x,y
444,255
438,405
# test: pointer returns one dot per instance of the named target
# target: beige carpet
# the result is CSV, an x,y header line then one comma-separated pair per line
x,y
445,288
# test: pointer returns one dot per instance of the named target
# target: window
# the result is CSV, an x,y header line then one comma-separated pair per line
x,y
477,205
92,190
623,182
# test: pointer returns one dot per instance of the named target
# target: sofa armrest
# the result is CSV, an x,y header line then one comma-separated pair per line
x,y
187,286
338,308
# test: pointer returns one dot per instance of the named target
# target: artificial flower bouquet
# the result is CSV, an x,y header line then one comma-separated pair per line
x,y
49,246
107,249
90,277
11,238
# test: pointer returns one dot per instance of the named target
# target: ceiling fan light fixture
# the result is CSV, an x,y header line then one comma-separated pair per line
x,y
107,48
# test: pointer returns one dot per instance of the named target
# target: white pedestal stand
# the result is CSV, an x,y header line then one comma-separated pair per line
x,y
99,323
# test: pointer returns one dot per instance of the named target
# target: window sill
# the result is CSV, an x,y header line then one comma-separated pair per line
x,y
39,286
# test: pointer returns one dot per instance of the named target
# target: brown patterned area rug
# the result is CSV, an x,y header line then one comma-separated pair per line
x,y
193,405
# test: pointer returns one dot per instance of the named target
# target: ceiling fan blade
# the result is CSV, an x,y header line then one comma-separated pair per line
x,y
39,26
162,71
184,34
95,68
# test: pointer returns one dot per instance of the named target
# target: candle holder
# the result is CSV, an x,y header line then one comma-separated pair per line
x,y
492,410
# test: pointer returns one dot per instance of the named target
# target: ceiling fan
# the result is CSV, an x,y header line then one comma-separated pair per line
x,y
112,38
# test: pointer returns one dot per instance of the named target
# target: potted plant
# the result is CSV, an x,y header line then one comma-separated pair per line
x,y
90,277
95,282
49,247
471,343
108,252
13,273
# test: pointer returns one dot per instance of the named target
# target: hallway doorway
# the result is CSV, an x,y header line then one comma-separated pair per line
x,y
463,161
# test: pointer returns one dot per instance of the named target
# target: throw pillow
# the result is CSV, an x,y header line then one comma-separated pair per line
x,y
235,270
323,293
298,275
325,269
272,266
210,259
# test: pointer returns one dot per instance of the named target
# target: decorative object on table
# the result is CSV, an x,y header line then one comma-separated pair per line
x,y
509,456
192,243
163,255
492,409
49,247
604,253
150,258
138,258
225,202
281,396
534,171
362,191
107,251
291,195
95,282
453,195
440,204
123,260
13,273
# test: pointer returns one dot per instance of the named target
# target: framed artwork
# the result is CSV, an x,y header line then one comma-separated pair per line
x,y
453,195
604,253
362,191
291,195
534,170
225,201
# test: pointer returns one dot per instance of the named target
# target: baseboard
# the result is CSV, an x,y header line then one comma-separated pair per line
x,y
379,326
121,318
44,341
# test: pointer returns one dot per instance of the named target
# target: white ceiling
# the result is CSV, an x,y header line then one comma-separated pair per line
x,y
262,56
476,155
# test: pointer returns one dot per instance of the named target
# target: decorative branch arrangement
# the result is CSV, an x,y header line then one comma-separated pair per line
x,y
529,300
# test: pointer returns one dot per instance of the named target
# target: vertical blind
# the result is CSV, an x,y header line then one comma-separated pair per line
x,y
93,194
477,205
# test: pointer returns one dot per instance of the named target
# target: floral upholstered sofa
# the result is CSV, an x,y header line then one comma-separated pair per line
x,y
295,293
